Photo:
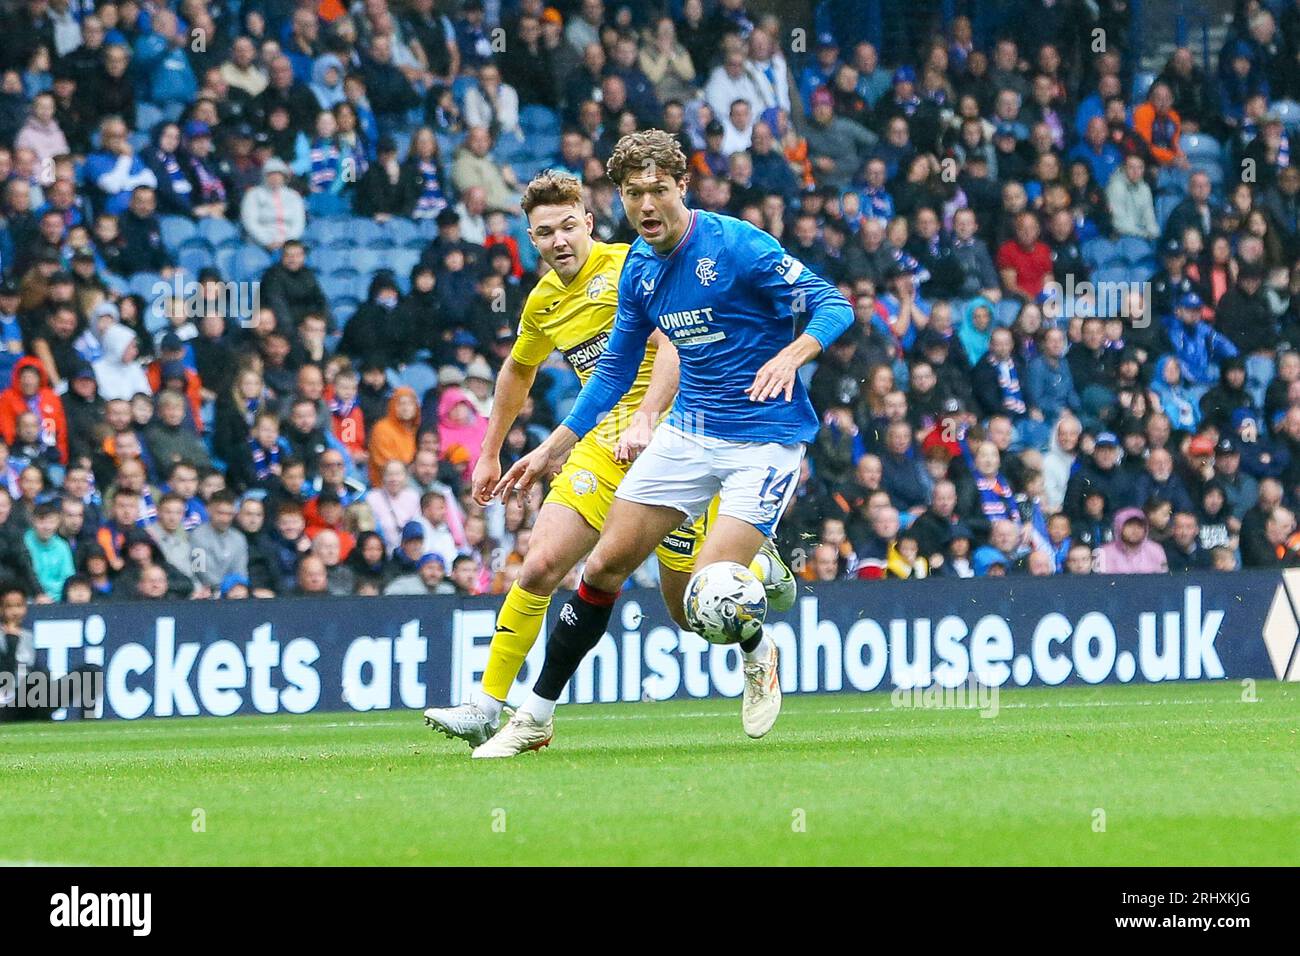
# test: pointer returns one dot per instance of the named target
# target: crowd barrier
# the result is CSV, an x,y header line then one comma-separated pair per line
x,y
297,655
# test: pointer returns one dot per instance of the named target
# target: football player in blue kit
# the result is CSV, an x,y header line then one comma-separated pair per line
x,y
729,298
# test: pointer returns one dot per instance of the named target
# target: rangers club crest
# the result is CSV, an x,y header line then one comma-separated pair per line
x,y
705,271
597,285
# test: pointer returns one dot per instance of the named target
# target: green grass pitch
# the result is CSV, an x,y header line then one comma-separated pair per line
x,y
1182,774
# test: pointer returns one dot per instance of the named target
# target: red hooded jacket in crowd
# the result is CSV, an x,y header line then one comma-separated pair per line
x,y
46,405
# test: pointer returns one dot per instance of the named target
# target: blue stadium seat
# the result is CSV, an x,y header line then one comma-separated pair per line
x,y
544,146
448,143
218,232
535,120
509,149
1100,252
175,231
528,168
343,242
328,206
1213,169
1143,269
366,232
316,232
147,116
142,284
1111,274
402,261
402,232
419,376
1170,179
361,287
250,262
1133,250
1142,81
367,260
1288,111
338,286
1200,146
402,140
1005,314
1164,208
342,308
328,260
226,260
196,256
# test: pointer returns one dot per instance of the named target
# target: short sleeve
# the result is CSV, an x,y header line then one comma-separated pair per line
x,y
533,345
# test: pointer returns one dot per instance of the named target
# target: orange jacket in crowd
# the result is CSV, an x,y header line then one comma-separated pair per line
x,y
392,439
46,405
1144,118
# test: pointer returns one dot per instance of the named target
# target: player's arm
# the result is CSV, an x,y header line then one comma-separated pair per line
x,y
614,375
512,387
664,376
794,289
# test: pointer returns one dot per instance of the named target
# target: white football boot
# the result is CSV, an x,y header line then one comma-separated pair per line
x,y
467,722
520,735
761,702
778,581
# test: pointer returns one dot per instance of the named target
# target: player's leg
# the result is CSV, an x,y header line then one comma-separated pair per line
x,y
669,481
631,533
672,585
757,486
677,561
560,539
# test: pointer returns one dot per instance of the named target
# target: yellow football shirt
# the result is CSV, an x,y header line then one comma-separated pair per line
x,y
577,318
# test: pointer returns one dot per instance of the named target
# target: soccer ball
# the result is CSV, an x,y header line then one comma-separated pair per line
x,y
725,603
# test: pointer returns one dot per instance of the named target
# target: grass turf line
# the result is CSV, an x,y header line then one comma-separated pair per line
x,y
1186,774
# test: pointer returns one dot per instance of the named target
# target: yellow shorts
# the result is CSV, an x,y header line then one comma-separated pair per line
x,y
586,485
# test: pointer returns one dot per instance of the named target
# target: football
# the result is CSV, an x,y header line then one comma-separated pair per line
x,y
725,603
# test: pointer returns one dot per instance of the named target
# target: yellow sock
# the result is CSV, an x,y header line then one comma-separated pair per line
x,y
759,569
518,623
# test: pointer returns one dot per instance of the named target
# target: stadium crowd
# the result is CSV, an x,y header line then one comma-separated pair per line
x,y
262,260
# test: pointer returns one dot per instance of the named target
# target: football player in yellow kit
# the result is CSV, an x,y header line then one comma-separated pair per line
x,y
572,309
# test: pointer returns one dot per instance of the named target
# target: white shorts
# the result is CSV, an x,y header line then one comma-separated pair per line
x,y
754,480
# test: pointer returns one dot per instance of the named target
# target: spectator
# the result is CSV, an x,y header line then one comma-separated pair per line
x,y
1131,552
1132,210
218,547
50,555
272,213
837,147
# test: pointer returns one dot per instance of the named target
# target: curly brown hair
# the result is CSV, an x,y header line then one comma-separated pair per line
x,y
552,188
645,150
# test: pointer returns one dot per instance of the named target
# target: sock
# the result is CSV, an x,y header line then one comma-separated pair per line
x,y
539,708
581,625
758,648
760,571
518,623
486,703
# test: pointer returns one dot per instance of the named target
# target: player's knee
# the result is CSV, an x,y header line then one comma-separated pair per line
x,y
541,572
607,571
